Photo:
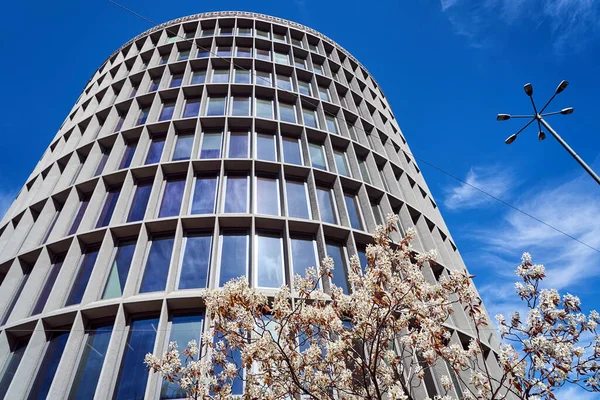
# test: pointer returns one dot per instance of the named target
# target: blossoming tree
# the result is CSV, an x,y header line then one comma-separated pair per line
x,y
381,340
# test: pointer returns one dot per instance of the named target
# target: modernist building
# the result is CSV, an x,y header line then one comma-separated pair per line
x,y
213,146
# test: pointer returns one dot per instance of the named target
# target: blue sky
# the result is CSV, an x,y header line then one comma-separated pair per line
x,y
447,67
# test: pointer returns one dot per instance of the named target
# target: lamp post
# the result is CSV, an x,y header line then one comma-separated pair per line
x,y
539,117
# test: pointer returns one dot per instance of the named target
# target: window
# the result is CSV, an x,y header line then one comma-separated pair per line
x,y
203,52
234,256
341,162
337,252
92,360
362,256
263,33
133,375
297,42
45,374
134,89
102,162
376,208
83,205
183,55
220,76
205,190
184,328
244,31
195,263
50,279
331,123
242,76
284,82
263,78
189,34
318,68
110,202
326,205
304,88
154,85
157,145
282,58
115,284
192,108
211,144
167,111
171,39
128,154
243,51
291,150
324,94
287,112
238,144
143,117
263,54
240,106
236,194
317,156
140,200
297,199
57,211
157,264
83,275
224,51
267,191
183,146
265,147
362,164
207,32
226,31
216,106
313,47
352,132
176,80
353,211
279,37
300,62
164,59
264,108
119,123
198,77
310,118
172,196
304,254
13,301
269,261
384,180
12,363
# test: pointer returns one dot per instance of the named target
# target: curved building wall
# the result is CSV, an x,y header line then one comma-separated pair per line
x,y
201,150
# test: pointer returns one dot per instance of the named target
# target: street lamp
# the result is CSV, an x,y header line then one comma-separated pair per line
x,y
538,116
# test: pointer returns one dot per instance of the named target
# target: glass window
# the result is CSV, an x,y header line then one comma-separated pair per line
x,y
205,190
236,194
310,118
115,284
291,150
317,156
263,54
376,208
331,123
284,82
203,53
282,58
324,94
83,275
189,34
352,132
318,68
17,295
128,154
362,256
300,62
83,205
338,254
362,163
226,31
102,162
157,264
172,196
184,328
133,375
110,202
287,112
196,261
119,123
220,76
341,162
198,77
207,32
269,261
164,59
263,78
171,39
353,212
242,76
244,31
326,205
140,200
50,279
224,51
265,147
384,180
192,108
167,111
211,144
264,108
184,54
143,117
239,144
216,106
262,33
91,362
297,199
45,374
267,191
154,85
183,147
304,254
297,42
234,256
304,88
176,80
52,224
243,51
313,47
240,106
279,37
156,149
12,363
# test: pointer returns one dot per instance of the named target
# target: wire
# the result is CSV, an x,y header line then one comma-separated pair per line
x,y
315,105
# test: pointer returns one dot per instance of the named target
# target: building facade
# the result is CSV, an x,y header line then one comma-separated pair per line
x,y
213,146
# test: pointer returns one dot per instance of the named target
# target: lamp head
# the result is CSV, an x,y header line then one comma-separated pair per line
x,y
566,111
502,117
528,89
511,139
562,86
541,135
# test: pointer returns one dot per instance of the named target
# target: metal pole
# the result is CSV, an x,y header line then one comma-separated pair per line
x,y
569,149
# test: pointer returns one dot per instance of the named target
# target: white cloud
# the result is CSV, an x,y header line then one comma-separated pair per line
x,y
574,392
493,180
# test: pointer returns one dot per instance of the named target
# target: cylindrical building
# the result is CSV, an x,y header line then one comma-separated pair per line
x,y
213,146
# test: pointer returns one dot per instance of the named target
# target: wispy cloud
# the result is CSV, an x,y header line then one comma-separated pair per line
x,y
7,196
493,180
